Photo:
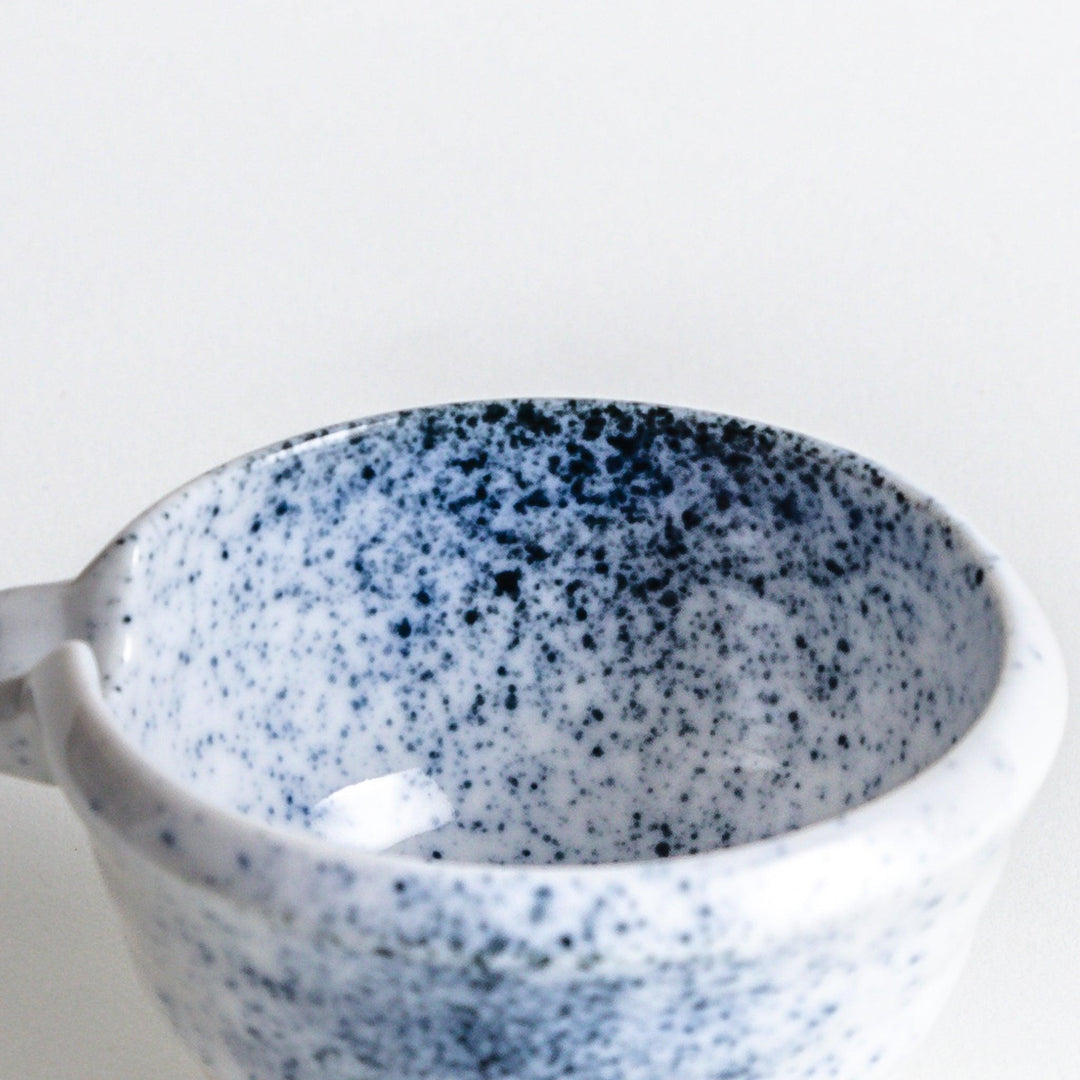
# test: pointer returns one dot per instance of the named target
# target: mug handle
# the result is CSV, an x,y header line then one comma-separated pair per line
x,y
33,621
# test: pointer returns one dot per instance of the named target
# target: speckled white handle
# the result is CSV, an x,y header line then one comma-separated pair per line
x,y
33,621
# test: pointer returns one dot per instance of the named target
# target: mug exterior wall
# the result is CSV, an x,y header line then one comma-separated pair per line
x,y
845,999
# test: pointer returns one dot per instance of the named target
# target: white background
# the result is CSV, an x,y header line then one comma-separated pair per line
x,y
224,223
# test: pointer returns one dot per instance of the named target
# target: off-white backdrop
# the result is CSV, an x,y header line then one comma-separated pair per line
x,y
225,223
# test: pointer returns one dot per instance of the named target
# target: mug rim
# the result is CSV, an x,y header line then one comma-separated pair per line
x,y
976,790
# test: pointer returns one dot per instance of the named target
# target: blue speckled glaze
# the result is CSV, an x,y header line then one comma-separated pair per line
x,y
606,633
670,671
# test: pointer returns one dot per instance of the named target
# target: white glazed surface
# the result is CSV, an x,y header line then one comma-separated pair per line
x,y
279,955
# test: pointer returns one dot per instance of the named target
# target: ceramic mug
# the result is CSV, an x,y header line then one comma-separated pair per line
x,y
541,739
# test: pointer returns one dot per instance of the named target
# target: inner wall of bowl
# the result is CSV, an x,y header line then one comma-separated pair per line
x,y
597,632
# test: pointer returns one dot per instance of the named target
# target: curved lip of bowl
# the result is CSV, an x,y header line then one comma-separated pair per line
x,y
975,791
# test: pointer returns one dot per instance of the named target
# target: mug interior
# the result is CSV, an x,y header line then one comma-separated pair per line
x,y
597,632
